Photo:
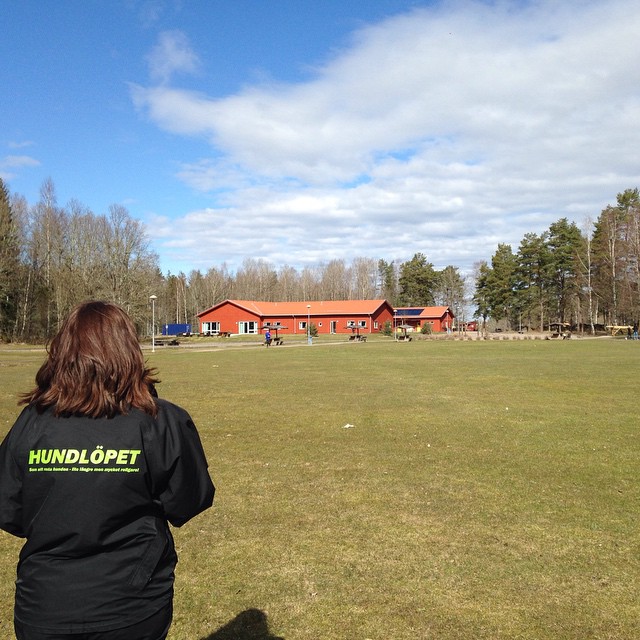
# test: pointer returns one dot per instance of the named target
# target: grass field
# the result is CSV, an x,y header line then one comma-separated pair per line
x,y
485,490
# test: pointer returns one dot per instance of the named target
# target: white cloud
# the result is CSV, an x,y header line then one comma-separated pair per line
x,y
172,54
9,165
444,131
23,144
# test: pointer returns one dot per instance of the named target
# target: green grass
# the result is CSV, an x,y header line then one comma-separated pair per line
x,y
486,489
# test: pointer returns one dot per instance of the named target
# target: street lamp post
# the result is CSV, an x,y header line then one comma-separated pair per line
x,y
308,324
153,299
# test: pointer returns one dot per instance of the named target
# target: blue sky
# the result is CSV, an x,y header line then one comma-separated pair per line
x,y
297,132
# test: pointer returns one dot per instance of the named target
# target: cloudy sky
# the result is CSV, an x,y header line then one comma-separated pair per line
x,y
298,132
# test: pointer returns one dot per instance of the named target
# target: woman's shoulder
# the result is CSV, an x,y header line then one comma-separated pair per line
x,y
29,415
171,412
171,422
27,425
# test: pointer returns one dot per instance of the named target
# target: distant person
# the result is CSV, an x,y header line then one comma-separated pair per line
x,y
635,330
267,338
90,474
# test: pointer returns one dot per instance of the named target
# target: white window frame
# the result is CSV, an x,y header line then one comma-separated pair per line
x,y
248,327
212,326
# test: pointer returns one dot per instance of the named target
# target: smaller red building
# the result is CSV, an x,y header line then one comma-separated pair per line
x,y
440,318
240,317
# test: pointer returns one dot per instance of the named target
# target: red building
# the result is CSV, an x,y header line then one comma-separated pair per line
x,y
339,316
414,318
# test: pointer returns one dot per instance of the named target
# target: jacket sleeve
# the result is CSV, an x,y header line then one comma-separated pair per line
x,y
10,487
178,466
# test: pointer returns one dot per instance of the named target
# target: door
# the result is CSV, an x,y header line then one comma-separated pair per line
x,y
247,326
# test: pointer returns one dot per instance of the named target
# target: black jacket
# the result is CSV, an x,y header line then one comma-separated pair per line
x,y
92,497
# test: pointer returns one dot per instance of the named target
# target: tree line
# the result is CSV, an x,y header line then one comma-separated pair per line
x,y
566,276
52,257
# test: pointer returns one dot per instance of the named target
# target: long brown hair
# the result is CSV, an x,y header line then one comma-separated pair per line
x,y
95,366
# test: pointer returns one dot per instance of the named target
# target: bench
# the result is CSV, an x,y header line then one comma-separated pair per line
x,y
162,343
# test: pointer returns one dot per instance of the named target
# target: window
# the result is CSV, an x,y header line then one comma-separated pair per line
x,y
248,326
362,323
210,328
302,324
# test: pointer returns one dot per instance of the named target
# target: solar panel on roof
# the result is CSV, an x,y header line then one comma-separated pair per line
x,y
410,312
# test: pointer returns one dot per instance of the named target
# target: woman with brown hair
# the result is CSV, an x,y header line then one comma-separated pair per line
x,y
90,474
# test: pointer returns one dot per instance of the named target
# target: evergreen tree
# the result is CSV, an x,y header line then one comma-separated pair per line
x,y
418,281
533,278
501,283
9,263
481,296
564,242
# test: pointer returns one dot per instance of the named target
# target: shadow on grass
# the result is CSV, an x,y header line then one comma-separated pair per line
x,y
248,625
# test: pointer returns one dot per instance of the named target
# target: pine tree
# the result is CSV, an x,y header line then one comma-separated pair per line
x,y
481,295
418,281
9,262
533,260
501,283
564,241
